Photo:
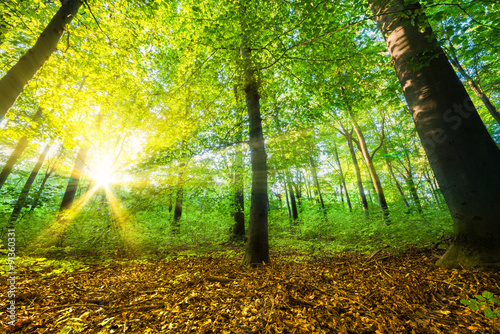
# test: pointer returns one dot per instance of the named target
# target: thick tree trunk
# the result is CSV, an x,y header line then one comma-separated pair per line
x,y
257,248
462,154
69,194
359,181
12,84
16,154
20,203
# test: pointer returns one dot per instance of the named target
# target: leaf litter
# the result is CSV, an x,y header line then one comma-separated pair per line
x,y
344,293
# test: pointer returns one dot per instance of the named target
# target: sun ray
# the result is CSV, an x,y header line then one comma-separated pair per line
x,y
61,224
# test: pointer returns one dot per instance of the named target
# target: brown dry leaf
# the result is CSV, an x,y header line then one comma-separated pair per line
x,y
339,294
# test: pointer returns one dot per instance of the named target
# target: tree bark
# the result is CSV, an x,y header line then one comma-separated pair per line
x,y
460,150
69,194
12,84
18,151
20,203
257,248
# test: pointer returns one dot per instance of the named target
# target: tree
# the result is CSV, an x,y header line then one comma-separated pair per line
x,y
461,153
79,166
13,82
21,201
257,249
361,190
16,154
452,55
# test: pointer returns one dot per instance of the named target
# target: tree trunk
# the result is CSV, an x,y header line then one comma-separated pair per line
x,y
472,84
342,177
287,201
239,199
26,189
12,84
176,227
460,150
69,194
257,248
16,154
413,189
398,185
359,181
48,173
293,202
316,182
371,167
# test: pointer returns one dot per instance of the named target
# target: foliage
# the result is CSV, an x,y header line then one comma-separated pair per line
x,y
485,302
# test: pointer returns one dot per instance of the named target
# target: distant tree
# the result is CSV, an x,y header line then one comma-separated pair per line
x,y
21,201
16,154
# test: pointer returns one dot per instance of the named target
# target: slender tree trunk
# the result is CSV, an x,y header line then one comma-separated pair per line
x,y
434,190
20,203
293,202
257,249
239,199
472,84
69,194
16,154
316,182
287,201
48,173
398,185
342,177
371,167
460,150
359,181
413,189
176,227
12,84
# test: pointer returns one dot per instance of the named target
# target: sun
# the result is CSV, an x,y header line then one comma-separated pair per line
x,y
103,173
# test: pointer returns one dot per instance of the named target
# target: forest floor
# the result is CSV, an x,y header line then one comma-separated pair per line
x,y
344,293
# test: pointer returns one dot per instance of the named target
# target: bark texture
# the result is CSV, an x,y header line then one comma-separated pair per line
x,y
12,84
461,153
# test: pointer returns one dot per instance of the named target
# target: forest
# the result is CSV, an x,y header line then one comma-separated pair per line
x,y
244,166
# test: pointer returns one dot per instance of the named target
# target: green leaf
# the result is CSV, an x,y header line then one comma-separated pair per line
x,y
489,313
478,297
487,295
